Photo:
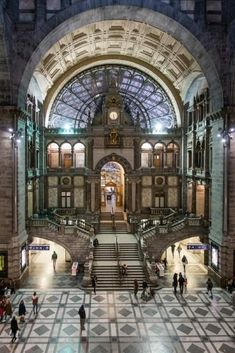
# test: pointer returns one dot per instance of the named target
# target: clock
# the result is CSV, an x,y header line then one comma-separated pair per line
x,y
113,115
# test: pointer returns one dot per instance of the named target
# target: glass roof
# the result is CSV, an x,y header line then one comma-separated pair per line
x,y
81,99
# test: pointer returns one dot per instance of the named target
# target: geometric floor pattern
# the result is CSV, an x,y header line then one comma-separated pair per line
x,y
117,322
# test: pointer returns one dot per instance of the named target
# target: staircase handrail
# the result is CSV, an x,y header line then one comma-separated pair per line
x,y
60,228
173,226
147,266
88,266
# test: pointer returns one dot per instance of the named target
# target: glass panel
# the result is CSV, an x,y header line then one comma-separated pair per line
x,y
143,98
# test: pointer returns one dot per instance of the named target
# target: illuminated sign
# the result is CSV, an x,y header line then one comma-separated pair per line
x,y
197,247
39,247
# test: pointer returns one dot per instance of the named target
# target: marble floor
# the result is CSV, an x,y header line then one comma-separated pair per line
x,y
117,322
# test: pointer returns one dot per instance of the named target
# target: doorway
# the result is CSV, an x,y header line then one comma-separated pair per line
x,y
112,187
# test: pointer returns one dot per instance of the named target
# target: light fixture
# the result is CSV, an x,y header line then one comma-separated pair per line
x,y
16,135
225,135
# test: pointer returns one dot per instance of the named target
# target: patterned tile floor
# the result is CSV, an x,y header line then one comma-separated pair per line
x,y
119,323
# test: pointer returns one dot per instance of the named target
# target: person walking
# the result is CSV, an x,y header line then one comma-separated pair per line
x,y
175,282
184,262
173,250
94,282
179,249
14,329
144,286
82,315
181,283
209,286
54,259
165,263
8,309
136,288
35,303
22,311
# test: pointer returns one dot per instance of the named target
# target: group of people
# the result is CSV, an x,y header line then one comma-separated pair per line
x,y
6,313
180,280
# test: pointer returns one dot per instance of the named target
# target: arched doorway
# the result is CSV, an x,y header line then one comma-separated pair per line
x,y
112,187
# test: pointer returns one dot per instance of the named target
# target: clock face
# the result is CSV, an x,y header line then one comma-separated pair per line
x,y
113,115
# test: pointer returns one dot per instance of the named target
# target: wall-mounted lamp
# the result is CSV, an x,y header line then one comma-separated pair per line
x,y
225,135
16,135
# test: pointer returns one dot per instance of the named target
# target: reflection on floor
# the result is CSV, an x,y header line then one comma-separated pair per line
x,y
119,323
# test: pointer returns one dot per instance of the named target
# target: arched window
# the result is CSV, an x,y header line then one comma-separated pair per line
x,y
146,155
158,157
66,155
53,155
79,155
172,155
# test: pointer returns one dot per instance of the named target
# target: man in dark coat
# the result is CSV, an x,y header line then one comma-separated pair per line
x,y
14,328
82,315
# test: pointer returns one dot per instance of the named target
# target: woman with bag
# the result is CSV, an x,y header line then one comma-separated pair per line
x,y
14,328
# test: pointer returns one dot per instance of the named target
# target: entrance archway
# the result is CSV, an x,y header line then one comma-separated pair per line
x,y
112,187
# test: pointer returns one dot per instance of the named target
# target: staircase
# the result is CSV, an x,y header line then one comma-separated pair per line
x,y
105,264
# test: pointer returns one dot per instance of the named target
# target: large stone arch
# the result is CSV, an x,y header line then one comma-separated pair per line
x,y
152,13
80,244
157,245
113,157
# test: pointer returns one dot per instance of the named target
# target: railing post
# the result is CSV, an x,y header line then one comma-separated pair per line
x,y
86,281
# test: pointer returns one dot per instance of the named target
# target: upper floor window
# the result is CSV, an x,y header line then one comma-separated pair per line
x,y
53,155
79,155
172,155
146,155
158,157
66,155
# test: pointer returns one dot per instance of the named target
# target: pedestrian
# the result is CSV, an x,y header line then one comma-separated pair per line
x,y
12,287
82,315
165,263
8,309
173,249
179,249
184,262
181,283
54,259
209,286
2,309
136,287
35,303
124,270
144,286
22,311
175,282
94,282
14,328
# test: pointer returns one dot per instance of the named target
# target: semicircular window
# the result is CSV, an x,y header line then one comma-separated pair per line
x,y
81,99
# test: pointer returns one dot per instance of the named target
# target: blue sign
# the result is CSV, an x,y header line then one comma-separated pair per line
x,y
197,247
39,247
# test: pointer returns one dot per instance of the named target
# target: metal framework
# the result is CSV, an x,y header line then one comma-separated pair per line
x,y
81,99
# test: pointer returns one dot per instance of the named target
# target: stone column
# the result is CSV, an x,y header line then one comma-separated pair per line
x,y
88,194
12,190
194,197
133,191
207,200
93,195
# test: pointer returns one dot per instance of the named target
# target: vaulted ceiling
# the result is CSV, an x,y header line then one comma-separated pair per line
x,y
128,39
